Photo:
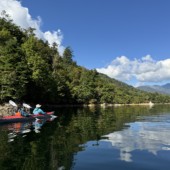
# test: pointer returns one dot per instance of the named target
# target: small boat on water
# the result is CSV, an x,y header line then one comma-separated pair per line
x,y
19,118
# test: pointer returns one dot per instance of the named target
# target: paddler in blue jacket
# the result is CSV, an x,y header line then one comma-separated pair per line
x,y
37,110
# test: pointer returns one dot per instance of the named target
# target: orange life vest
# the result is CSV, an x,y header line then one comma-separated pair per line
x,y
17,114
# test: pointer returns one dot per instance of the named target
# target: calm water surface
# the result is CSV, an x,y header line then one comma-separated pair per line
x,y
121,138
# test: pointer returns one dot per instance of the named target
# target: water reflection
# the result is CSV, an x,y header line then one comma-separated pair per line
x,y
18,129
22,128
38,123
81,138
152,134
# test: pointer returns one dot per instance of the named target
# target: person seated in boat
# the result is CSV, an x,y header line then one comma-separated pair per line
x,y
22,111
38,110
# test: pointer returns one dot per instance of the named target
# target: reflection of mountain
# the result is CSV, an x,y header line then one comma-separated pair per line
x,y
151,136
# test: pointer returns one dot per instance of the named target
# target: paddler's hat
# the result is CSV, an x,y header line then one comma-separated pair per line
x,y
38,105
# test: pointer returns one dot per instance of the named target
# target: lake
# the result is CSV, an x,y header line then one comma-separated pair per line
x,y
121,138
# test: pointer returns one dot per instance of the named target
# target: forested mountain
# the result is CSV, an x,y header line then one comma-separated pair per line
x,y
32,71
164,89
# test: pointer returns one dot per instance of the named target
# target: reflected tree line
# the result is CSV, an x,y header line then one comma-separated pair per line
x,y
61,139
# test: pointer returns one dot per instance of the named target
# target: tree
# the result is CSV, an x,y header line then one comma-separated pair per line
x,y
12,62
68,55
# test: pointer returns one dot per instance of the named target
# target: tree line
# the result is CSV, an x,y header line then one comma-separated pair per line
x,y
33,71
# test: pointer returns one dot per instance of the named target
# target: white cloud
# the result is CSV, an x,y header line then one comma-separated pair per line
x,y
143,70
20,15
57,37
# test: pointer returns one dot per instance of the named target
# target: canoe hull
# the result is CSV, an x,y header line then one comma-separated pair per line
x,y
13,119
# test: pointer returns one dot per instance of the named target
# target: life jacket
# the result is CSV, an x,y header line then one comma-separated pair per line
x,y
17,114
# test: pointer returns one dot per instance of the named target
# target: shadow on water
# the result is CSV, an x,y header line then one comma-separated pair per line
x,y
57,143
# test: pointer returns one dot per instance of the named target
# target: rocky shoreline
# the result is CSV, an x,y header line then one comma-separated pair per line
x,y
5,109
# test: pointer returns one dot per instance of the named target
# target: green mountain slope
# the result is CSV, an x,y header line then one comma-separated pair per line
x,y
32,71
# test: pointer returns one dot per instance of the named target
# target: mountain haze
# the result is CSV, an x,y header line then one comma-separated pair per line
x,y
164,89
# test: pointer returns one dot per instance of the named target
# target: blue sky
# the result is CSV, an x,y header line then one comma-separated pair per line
x,y
126,39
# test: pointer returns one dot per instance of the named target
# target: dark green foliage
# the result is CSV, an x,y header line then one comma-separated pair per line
x,y
68,55
13,68
32,71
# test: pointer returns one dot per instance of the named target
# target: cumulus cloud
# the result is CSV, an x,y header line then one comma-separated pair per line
x,y
20,15
143,70
56,37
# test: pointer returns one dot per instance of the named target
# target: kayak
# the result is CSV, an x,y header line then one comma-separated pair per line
x,y
16,118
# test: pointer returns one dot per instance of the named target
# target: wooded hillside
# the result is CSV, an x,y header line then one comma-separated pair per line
x,y
32,71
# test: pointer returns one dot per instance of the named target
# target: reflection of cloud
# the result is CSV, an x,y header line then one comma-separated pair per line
x,y
150,136
125,156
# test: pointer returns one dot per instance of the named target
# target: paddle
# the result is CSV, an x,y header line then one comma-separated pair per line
x,y
12,103
13,110
27,106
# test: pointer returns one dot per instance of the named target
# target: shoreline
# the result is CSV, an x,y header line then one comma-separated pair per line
x,y
4,108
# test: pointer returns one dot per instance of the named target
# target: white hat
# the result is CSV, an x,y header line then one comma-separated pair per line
x,y
38,105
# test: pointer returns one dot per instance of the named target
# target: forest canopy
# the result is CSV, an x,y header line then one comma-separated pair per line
x,y
32,71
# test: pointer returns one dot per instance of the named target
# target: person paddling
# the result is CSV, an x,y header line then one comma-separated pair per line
x,y
22,111
38,110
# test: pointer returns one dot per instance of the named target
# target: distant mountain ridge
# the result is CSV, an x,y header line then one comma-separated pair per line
x,y
164,89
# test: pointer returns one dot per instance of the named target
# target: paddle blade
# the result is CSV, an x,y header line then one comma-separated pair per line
x,y
27,106
12,103
53,116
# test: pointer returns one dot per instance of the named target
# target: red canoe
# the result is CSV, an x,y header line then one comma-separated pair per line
x,y
12,119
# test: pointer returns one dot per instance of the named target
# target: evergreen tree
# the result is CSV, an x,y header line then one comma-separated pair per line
x,y
13,70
